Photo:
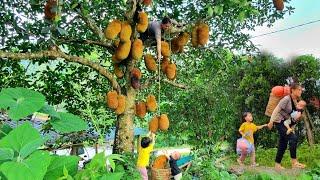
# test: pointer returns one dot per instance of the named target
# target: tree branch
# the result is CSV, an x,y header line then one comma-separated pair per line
x,y
181,86
92,25
59,54
109,46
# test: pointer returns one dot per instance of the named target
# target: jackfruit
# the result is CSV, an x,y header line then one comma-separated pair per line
x,y
150,62
163,122
151,103
113,29
278,4
135,72
194,36
49,13
147,2
121,104
123,50
125,32
171,71
112,99
164,64
160,162
137,49
142,24
141,109
154,124
165,49
118,71
203,34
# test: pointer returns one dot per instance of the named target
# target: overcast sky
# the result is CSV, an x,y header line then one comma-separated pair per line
x,y
301,40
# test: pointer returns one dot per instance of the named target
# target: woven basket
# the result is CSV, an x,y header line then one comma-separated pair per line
x,y
272,104
160,174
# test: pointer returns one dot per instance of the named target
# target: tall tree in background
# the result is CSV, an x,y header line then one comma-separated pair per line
x,y
55,30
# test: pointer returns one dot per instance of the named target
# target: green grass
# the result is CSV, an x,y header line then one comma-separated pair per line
x,y
306,154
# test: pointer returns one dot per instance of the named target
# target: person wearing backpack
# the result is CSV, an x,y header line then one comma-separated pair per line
x,y
282,112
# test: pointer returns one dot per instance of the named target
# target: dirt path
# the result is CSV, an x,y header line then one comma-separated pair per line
x,y
263,169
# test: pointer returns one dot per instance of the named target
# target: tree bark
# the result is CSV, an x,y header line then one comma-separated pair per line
x,y
307,125
124,135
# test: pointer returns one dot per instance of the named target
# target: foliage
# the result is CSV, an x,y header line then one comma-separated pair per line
x,y
204,165
21,159
21,102
68,32
97,169
19,151
308,155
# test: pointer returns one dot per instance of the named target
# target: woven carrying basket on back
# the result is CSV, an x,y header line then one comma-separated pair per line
x,y
272,104
160,174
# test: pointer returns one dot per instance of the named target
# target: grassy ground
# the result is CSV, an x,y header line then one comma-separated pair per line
x,y
309,155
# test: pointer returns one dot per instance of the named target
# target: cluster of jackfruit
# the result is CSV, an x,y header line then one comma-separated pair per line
x,y
159,122
160,162
150,105
116,102
123,29
165,49
143,22
170,69
150,62
179,42
200,35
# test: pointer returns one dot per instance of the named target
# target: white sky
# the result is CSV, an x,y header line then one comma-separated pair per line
x,y
298,41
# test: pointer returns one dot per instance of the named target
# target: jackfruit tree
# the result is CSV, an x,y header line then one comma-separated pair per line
x,y
56,30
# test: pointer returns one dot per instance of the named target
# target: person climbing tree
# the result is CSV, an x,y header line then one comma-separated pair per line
x,y
155,29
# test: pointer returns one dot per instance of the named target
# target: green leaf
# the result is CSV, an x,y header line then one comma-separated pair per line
x,y
68,123
20,137
113,176
210,11
65,171
111,159
6,154
55,169
242,16
218,10
32,168
21,102
62,31
32,146
47,109
97,163
4,130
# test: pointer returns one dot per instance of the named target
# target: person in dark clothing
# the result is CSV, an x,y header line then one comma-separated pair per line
x,y
281,113
175,170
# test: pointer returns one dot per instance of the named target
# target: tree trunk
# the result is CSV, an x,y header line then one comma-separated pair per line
x,y
124,135
307,124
